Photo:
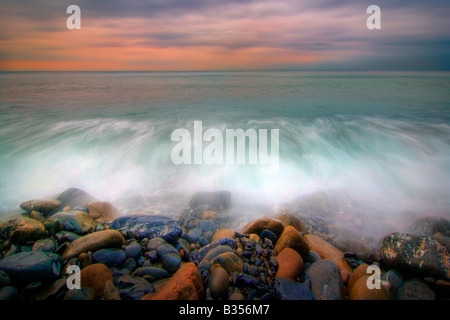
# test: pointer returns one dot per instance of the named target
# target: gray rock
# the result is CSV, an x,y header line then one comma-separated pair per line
x,y
66,236
75,198
363,250
78,222
133,288
44,206
130,264
154,243
193,235
326,280
170,257
155,273
110,257
428,226
47,245
111,292
133,250
287,289
415,289
206,225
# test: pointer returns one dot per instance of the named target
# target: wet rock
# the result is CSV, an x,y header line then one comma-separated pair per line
x,y
155,273
267,234
259,225
133,288
130,264
52,290
287,289
245,280
222,233
361,291
416,254
221,242
429,226
95,276
93,242
358,273
326,280
111,292
82,294
394,278
206,225
219,283
328,251
185,284
415,289
155,243
75,198
26,229
218,200
290,220
66,236
229,261
4,279
36,215
210,215
291,238
47,245
111,257
193,235
8,293
102,211
290,264
79,222
26,267
45,206
149,227
170,257
363,250
133,250
312,257
217,251
237,296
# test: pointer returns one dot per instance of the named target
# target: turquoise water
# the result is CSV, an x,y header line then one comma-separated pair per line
x,y
380,139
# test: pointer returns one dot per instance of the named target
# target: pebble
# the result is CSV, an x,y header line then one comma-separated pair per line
x,y
219,283
359,272
394,278
287,289
47,245
415,289
44,206
259,225
102,211
133,250
267,234
130,264
193,235
155,273
133,288
222,233
111,257
95,276
78,222
290,264
80,294
66,236
326,280
154,243
360,291
291,238
290,220
52,290
170,257
26,229
229,261
111,292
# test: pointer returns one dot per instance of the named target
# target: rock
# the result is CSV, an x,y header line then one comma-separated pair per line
x,y
8,293
36,215
394,278
210,215
287,289
133,288
66,236
82,294
111,292
219,283
133,250
267,234
75,198
360,291
218,200
363,250
288,219
429,226
170,257
93,242
130,264
313,257
193,235
290,264
416,254
222,233
95,276
415,289
201,253
328,251
26,229
358,273
102,211
4,279
26,267
216,252
149,227
291,238
45,206
155,273
237,296
229,261
47,245
155,243
206,225
75,221
326,280
111,257
52,290
185,284
258,226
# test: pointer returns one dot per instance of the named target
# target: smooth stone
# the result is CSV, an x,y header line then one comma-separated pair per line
x,y
47,245
291,238
93,242
26,267
287,289
201,253
418,255
229,261
44,206
216,252
210,215
185,284
415,289
155,243
95,276
102,211
269,235
52,290
133,288
193,235
110,291
155,273
237,296
183,248
206,225
358,273
259,225
78,222
246,280
363,250
133,250
4,279
327,251
394,278
152,255
217,200
130,264
288,219
8,293
111,257
202,241
149,227
312,257
170,257
222,233
326,280
219,283
82,294
75,198
36,215
290,264
26,229
360,291
428,226
66,236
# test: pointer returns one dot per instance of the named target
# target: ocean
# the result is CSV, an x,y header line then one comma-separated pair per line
x,y
378,140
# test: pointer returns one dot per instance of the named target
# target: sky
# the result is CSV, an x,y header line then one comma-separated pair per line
x,y
194,35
